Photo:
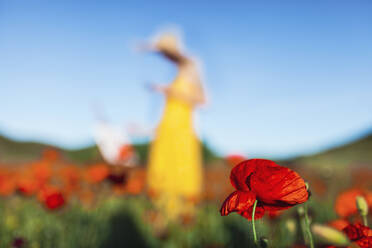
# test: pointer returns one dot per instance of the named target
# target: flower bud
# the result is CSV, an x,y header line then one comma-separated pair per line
x,y
362,205
330,235
300,210
291,225
264,242
308,189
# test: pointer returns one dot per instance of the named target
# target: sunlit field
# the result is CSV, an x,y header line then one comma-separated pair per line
x,y
54,202
185,124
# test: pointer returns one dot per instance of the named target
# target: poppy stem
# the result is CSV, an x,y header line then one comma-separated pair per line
x,y
253,225
365,221
307,223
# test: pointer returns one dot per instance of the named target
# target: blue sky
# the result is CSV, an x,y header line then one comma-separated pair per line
x,y
283,77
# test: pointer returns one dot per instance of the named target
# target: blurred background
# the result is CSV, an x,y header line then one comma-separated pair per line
x,y
288,81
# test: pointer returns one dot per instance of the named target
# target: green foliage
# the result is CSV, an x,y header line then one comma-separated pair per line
x,y
143,152
121,222
209,156
86,155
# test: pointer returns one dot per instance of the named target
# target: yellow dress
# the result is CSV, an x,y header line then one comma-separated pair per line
x,y
174,172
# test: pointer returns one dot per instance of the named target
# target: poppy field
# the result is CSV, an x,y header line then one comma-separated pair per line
x,y
185,124
53,202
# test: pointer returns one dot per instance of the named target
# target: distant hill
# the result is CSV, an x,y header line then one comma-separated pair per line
x,y
17,152
357,153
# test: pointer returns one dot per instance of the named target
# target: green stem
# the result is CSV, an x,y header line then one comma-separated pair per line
x,y
253,225
307,222
365,221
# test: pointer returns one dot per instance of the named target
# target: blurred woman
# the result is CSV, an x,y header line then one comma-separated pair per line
x,y
175,171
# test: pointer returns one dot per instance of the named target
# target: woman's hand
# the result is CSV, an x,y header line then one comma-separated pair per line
x,y
196,98
158,88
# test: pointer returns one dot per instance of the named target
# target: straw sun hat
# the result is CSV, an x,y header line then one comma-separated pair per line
x,y
168,42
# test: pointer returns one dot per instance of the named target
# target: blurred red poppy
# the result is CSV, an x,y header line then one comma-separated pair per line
x,y
51,155
27,185
136,182
234,159
97,173
360,234
339,224
51,197
18,242
42,172
273,186
125,152
7,183
70,176
55,200
118,178
274,214
345,203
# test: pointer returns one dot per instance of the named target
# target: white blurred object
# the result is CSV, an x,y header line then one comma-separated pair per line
x,y
138,131
114,145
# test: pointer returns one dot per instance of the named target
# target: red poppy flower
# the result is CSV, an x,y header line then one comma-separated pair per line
x,y
97,173
125,153
55,200
274,214
27,185
7,183
273,186
345,203
136,182
70,176
18,242
118,178
51,155
234,159
41,172
51,197
360,234
339,224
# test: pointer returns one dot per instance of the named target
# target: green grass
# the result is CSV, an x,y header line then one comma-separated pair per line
x,y
121,222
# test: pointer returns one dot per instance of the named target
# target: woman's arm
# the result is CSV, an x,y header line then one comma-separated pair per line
x,y
195,97
174,56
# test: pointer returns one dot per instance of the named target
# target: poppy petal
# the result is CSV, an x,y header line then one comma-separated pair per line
x,y
365,242
339,224
258,214
240,174
356,232
238,201
274,208
345,202
278,186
